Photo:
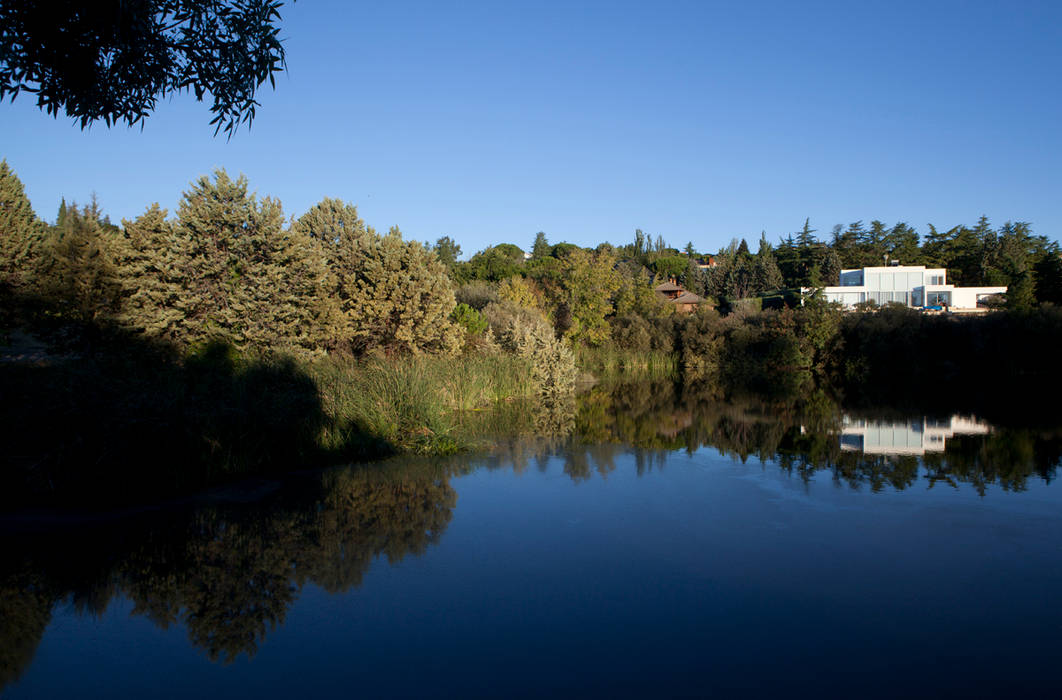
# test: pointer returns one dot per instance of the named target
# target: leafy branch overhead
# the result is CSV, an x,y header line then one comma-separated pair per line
x,y
113,59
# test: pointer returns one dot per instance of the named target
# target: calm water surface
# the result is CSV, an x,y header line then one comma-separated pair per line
x,y
685,551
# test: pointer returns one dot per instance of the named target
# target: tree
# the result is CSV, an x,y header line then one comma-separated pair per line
x,y
77,270
590,282
670,266
242,277
113,59
394,295
541,248
447,250
765,273
328,221
21,233
494,263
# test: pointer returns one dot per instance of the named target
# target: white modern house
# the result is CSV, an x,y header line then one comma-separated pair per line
x,y
910,285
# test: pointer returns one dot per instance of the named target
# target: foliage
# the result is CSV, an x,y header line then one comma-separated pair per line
x,y
470,319
521,291
394,295
115,61
526,333
447,251
492,264
590,283
477,294
77,271
21,233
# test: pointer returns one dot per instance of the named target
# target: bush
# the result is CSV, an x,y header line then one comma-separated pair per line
x,y
526,333
477,294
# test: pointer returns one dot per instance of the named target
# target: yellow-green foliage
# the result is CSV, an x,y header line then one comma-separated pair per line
x,y
416,404
21,233
523,292
526,333
590,281
77,272
397,296
391,295
226,269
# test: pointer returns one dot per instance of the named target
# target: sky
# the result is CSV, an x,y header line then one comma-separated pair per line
x,y
695,121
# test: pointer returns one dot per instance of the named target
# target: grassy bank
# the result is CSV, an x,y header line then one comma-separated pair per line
x,y
122,424
426,404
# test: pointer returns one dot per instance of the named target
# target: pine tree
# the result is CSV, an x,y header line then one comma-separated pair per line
x,y
247,281
902,245
77,271
447,251
766,275
21,233
541,247
394,295
328,221
151,272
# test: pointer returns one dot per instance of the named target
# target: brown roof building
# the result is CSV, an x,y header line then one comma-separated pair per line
x,y
684,300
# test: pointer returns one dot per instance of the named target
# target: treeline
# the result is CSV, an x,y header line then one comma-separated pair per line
x,y
241,339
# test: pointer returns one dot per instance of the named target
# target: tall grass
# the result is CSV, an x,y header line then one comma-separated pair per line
x,y
414,404
618,364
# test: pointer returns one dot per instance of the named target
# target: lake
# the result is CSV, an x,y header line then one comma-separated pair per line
x,y
649,543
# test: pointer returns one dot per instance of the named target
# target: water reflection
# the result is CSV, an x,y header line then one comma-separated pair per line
x,y
229,573
915,436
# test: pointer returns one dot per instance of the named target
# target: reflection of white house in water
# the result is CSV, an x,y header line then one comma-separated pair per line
x,y
914,437
910,285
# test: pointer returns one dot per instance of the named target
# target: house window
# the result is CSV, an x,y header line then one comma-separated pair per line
x,y
936,279
938,299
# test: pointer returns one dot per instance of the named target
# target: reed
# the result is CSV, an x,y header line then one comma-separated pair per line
x,y
610,363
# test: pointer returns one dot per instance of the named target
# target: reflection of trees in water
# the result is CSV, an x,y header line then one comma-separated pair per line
x,y
229,575
799,433
25,611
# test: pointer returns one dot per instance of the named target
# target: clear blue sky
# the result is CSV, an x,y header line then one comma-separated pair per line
x,y
697,121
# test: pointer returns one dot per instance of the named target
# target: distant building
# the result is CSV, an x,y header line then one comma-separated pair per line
x,y
683,299
910,285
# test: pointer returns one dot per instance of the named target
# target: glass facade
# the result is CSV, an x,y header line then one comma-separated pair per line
x,y
938,298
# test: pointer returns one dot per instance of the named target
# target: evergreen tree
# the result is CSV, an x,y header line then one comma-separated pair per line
x,y
394,295
849,245
902,245
152,277
788,260
766,275
21,233
541,247
246,280
328,221
447,251
874,248
77,271
1048,274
